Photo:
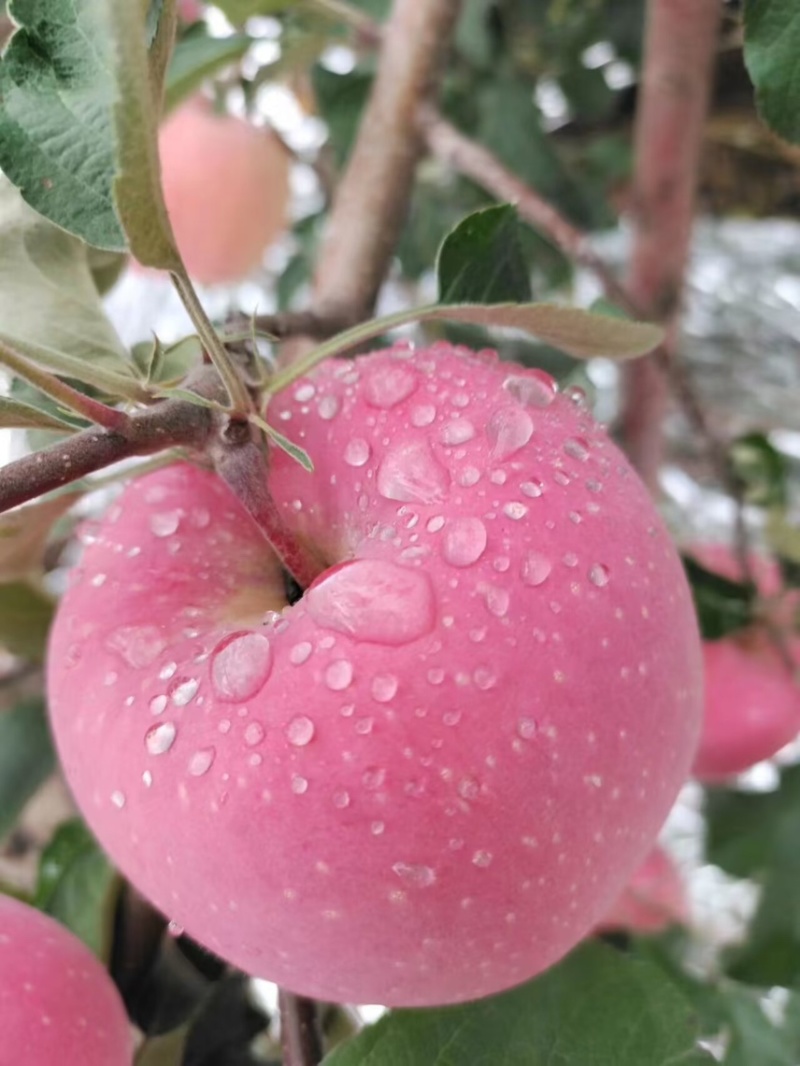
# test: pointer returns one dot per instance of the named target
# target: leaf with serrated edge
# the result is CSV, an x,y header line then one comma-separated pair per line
x,y
17,415
579,333
25,531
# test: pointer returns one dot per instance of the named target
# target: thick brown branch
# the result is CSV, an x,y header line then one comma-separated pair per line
x,y
299,1030
373,195
680,45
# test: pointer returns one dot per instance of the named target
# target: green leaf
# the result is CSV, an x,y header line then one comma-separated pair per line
x,y
78,886
762,469
166,365
25,531
25,617
300,455
723,606
238,11
165,1050
26,758
341,99
196,57
580,333
50,309
17,415
771,47
482,261
596,1008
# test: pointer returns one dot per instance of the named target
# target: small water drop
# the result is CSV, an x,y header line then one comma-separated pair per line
x,y
174,929
159,738
532,489
469,476
300,653
118,799
536,388
464,541
484,678
373,777
300,731
515,510
536,568
570,559
165,524
599,575
339,675
435,675
577,448
139,646
328,407
414,874
384,688
509,429
305,392
201,762
158,704
423,415
341,799
240,665
147,779
183,690
389,383
526,727
469,788
377,828
254,734
497,600
168,670
411,473
357,452
299,785
457,432
482,858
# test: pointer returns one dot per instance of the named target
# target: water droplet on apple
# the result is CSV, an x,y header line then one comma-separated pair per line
x,y
341,799
300,653
458,432
328,407
415,874
577,448
375,601
118,799
201,762
139,646
299,785
339,675
515,510
497,600
423,415
433,525
183,690
168,670
305,392
357,452
174,929
526,727
469,476
532,488
373,777
599,575
147,779
384,688
570,559
484,678
388,384
159,738
464,541
482,858
509,429
536,568
300,731
164,525
158,704
254,734
537,388
410,473
240,665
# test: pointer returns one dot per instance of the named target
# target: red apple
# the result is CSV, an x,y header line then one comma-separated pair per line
x,y
427,779
653,899
190,10
57,1003
226,186
752,702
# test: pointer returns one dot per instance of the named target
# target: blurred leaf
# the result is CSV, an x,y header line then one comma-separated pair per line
x,y
595,1008
169,364
238,11
771,47
166,1050
481,260
723,606
300,455
24,533
198,56
26,758
77,885
757,835
784,538
761,468
341,99
16,415
106,268
25,617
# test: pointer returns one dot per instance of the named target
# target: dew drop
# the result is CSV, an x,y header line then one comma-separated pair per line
x,y
536,568
536,388
328,407
200,763
469,476
339,675
164,525
139,646
599,575
577,448
415,874
411,473
300,653
341,800
384,688
357,452
373,777
482,858
299,785
497,600
484,678
254,734
423,415
168,670
158,704
464,541
159,738
526,727
147,779
389,384
300,731
183,691
374,601
118,799
509,429
532,489
515,510
174,929
570,559
435,675
240,666
458,432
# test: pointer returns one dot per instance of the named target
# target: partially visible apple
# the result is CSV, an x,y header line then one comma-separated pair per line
x,y
752,703
190,10
427,779
653,899
226,186
57,1003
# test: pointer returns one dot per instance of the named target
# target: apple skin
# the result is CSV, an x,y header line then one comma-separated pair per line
x,y
653,900
427,779
226,187
190,10
57,1003
752,704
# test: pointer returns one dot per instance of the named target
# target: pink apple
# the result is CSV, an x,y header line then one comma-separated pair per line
x,y
190,10
57,1003
653,899
226,186
427,779
752,702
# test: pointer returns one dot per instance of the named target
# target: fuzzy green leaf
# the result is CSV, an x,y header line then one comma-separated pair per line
x,y
771,47
17,415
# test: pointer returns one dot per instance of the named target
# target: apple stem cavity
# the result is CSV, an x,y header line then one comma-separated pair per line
x,y
300,1037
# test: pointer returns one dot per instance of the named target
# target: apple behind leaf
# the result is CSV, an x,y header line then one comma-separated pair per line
x,y
57,1003
752,702
653,899
226,187
427,779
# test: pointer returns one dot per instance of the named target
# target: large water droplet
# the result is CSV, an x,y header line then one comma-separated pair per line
x,y
160,738
200,763
415,874
464,541
384,688
536,568
300,731
410,473
389,383
139,646
339,675
536,388
375,601
240,665
357,452
509,429
165,524
458,432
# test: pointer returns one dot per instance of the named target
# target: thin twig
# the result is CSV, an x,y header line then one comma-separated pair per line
x,y
300,1037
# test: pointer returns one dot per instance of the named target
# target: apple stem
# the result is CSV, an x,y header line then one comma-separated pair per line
x,y
300,1038
240,460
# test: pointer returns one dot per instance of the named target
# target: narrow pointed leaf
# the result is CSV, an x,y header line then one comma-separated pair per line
x,y
17,415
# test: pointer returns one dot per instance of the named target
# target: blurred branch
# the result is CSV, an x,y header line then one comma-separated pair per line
x,y
299,1030
678,64
372,197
